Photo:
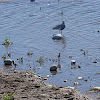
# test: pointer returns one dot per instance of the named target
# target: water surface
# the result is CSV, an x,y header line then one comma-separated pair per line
x,y
29,26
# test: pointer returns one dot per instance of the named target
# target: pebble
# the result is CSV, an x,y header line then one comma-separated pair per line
x,y
73,62
71,88
53,68
76,83
45,78
48,76
80,78
65,80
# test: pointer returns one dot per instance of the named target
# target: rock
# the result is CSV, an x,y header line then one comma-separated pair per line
x,y
45,78
79,66
86,80
65,80
76,83
7,61
53,68
71,88
98,88
48,76
73,62
80,78
57,37
95,62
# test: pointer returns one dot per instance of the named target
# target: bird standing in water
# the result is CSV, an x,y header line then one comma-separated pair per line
x,y
60,27
58,55
59,58
15,64
59,66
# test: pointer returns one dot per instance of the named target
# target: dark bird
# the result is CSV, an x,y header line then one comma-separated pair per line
x,y
58,55
15,64
60,27
58,58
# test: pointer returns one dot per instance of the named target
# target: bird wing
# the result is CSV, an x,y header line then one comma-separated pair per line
x,y
57,27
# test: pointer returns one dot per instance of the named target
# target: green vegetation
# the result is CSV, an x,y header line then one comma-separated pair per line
x,y
41,60
7,42
9,96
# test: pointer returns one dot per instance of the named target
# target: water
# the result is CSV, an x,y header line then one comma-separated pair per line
x,y
29,26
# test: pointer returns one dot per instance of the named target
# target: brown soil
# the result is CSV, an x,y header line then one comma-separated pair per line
x,y
28,86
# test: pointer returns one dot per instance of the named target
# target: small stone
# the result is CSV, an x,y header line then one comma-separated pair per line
x,y
95,62
50,86
80,78
73,62
76,83
86,80
79,66
45,78
48,76
53,68
98,88
71,88
65,80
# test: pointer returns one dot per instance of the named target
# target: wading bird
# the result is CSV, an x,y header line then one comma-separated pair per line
x,y
15,64
60,27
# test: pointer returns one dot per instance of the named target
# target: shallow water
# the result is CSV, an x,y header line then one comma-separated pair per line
x,y
29,26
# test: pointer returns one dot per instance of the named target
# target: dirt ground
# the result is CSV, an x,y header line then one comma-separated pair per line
x,y
28,86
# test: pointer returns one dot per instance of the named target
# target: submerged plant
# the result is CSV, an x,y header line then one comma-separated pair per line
x,y
61,12
40,60
4,57
7,42
9,96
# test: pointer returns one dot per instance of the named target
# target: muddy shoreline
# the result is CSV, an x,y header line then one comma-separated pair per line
x,y
28,86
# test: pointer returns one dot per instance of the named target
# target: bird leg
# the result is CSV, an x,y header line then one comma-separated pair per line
x,y
61,31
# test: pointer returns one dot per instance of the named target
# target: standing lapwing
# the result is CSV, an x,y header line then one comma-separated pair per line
x,y
60,27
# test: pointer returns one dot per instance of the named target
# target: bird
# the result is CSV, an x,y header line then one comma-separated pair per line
x,y
58,55
15,64
60,27
59,58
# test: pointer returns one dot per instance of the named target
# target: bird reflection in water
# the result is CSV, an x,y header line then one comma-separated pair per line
x,y
53,72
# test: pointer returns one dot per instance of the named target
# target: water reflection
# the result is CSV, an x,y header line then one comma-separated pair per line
x,y
7,68
62,40
53,72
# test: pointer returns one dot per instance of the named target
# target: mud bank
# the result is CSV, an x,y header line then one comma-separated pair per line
x,y
28,86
